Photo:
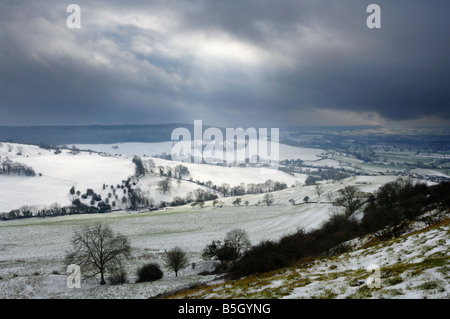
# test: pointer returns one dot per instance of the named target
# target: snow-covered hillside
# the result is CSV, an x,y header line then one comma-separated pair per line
x,y
32,250
35,261
153,149
234,175
56,174
33,267
413,266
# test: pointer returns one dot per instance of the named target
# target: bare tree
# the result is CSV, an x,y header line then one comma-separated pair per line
x,y
165,185
237,202
238,239
225,189
176,259
149,165
268,199
330,197
98,250
236,242
319,190
350,198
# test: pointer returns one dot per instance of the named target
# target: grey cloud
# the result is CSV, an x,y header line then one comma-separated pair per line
x,y
309,55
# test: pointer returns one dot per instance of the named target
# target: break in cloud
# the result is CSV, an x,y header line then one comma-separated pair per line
x,y
229,63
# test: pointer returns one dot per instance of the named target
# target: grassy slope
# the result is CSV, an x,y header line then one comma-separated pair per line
x,y
412,266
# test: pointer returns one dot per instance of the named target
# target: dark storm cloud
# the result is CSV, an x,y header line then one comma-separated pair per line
x,y
226,62
400,71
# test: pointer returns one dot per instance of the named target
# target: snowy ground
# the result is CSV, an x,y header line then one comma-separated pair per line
x,y
233,176
153,149
32,250
414,266
59,173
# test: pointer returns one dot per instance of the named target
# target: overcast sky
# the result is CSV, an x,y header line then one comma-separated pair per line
x,y
229,63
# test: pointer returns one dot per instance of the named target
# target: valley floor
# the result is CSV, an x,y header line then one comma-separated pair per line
x,y
32,250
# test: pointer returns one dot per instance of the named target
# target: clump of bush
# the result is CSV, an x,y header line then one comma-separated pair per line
x,y
391,207
235,244
118,278
271,255
149,272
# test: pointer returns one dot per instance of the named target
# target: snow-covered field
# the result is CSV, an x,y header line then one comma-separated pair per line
x,y
153,149
233,175
32,250
39,245
59,173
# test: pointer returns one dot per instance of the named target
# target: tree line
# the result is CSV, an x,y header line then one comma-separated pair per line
x,y
54,210
8,167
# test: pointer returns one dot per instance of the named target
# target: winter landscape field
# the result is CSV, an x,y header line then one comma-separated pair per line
x,y
32,250
224,150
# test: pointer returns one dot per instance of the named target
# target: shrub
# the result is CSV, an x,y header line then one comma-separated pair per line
x,y
223,252
118,278
270,255
149,272
264,257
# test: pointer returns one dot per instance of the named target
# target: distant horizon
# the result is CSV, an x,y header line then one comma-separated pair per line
x,y
169,123
286,127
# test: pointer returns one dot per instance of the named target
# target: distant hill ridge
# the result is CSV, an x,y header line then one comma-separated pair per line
x,y
108,134
154,133
93,134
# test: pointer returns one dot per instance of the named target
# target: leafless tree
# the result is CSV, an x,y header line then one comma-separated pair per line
x,y
238,239
319,190
268,199
165,185
98,250
176,259
350,198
